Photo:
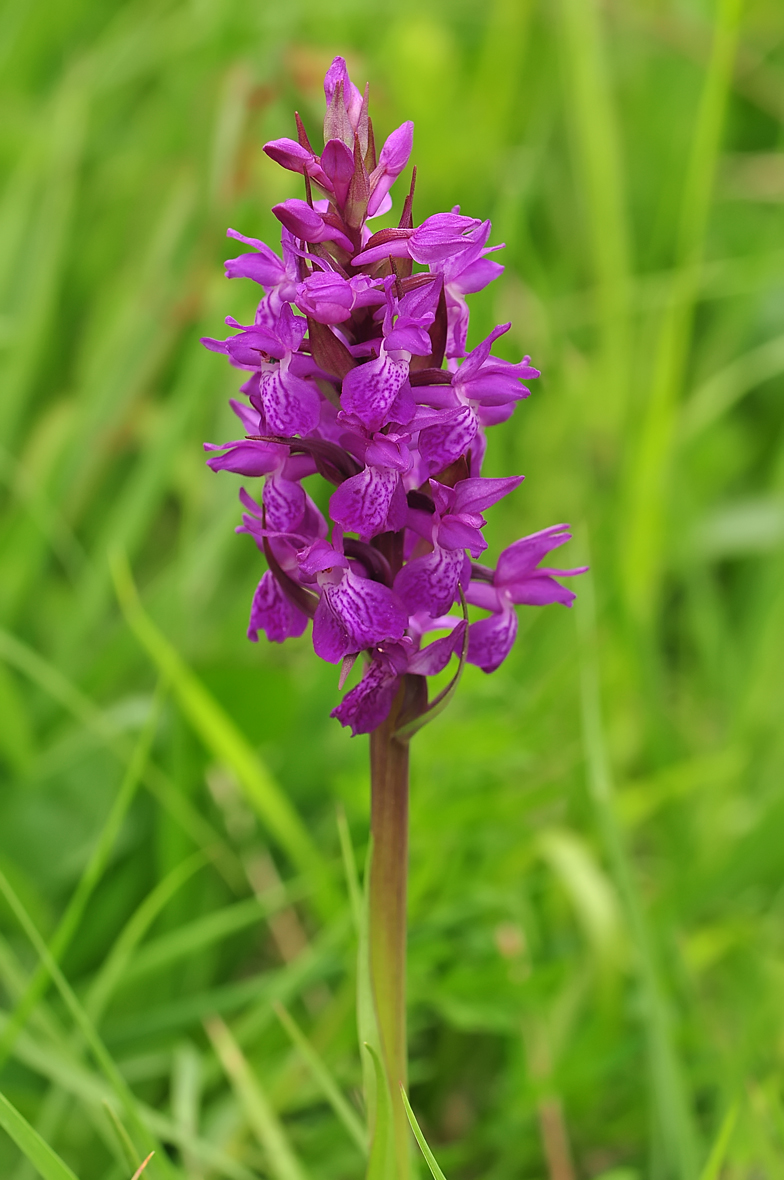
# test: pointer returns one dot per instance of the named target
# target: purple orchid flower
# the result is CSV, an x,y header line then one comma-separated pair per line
x,y
357,371
516,579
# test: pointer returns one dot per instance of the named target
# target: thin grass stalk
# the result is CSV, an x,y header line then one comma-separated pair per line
x,y
389,760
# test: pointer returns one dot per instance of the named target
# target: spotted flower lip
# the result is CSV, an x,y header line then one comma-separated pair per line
x,y
357,371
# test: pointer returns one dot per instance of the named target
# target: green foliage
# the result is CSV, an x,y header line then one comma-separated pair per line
x,y
596,910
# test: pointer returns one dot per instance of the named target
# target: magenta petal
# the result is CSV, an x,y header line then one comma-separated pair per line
x,y
430,583
337,160
367,705
476,277
519,560
434,658
454,533
441,445
284,502
325,297
540,590
370,389
248,458
272,613
361,503
490,640
355,614
474,495
291,405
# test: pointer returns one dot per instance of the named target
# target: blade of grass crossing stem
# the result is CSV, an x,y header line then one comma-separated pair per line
x,y
222,737
323,1078
718,1152
85,1025
381,1165
430,1159
90,877
261,1118
673,1115
597,143
46,1162
641,554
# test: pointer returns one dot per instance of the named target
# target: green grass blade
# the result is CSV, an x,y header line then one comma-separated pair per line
x,y
718,1152
323,1078
84,1024
724,389
667,1082
219,733
52,681
350,869
115,966
262,1119
92,874
45,1161
643,537
204,932
430,1159
590,109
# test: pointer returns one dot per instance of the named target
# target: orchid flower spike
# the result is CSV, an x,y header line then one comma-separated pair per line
x,y
357,369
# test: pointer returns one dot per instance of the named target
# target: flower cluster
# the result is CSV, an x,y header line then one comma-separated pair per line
x,y
357,370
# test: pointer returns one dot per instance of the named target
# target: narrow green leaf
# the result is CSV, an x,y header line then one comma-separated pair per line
x,y
426,1152
124,1139
84,1024
718,1152
91,875
45,1161
381,1165
323,1078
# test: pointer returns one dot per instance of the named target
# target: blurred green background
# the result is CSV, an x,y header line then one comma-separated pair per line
x,y
597,850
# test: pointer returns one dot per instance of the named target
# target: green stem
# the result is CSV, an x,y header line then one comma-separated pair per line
x,y
387,915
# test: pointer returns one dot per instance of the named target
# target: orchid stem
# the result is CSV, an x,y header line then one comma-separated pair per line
x,y
387,916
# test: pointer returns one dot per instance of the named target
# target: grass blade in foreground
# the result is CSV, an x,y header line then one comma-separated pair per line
x,y
46,1162
426,1152
262,1119
322,1077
